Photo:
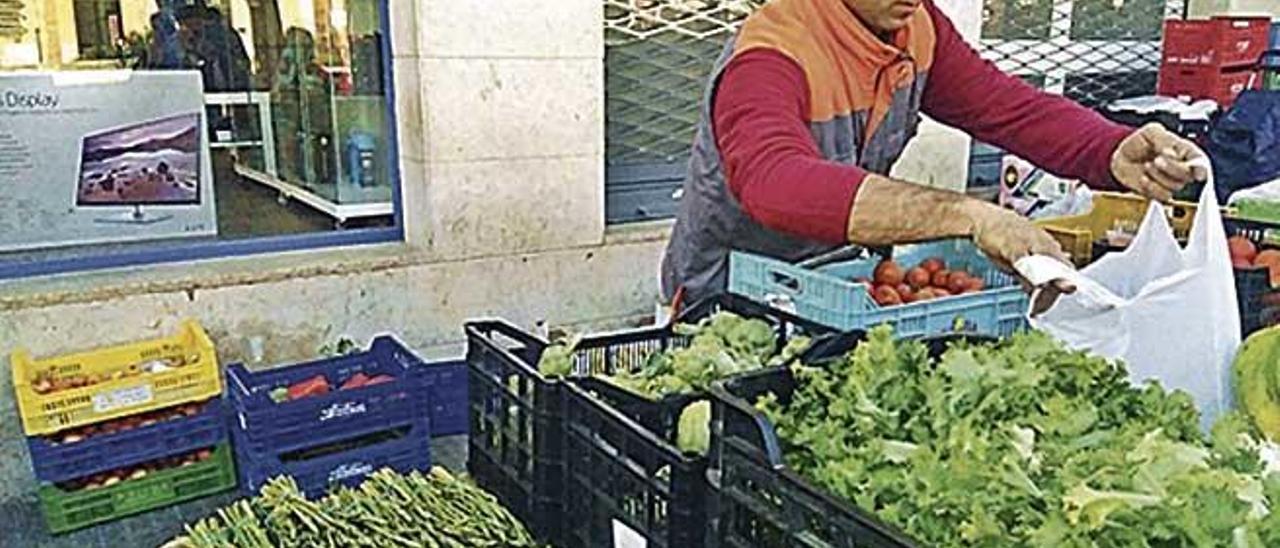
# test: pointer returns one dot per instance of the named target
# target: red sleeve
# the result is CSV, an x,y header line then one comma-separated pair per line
x,y
1049,131
771,161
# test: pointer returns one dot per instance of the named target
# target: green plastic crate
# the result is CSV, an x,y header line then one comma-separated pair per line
x,y
65,511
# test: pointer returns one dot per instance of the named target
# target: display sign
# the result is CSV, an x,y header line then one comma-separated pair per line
x,y
103,156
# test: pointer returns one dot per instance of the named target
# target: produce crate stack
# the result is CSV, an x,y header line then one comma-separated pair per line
x,y
124,430
970,294
586,462
332,421
1212,59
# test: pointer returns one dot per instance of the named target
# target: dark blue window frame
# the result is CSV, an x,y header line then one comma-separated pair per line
x,y
259,245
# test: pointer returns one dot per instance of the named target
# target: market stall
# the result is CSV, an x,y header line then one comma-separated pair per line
x,y
900,396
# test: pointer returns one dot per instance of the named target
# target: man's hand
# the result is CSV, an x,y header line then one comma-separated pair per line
x,y
1154,162
1005,236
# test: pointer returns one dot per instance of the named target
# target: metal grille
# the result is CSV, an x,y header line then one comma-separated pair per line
x,y
1093,51
658,54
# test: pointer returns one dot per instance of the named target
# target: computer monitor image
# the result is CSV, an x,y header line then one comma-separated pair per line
x,y
152,163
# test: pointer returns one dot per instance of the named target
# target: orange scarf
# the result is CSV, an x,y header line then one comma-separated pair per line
x,y
847,67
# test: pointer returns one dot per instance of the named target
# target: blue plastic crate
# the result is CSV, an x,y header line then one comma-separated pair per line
x,y
57,462
828,294
339,414
446,384
316,475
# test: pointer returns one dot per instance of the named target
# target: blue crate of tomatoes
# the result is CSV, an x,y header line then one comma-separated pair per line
x,y
327,400
117,443
920,289
403,447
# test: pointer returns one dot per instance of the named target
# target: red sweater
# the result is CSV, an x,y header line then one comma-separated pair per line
x,y
776,172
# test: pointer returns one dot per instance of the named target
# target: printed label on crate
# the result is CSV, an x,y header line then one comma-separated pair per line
x,y
626,537
350,470
124,397
781,302
341,410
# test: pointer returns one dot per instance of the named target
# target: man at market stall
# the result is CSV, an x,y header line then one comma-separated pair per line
x,y
813,101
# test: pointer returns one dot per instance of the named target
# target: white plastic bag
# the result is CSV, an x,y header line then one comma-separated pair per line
x,y
1266,192
1170,313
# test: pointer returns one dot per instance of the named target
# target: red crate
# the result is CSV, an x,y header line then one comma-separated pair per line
x,y
1205,82
1222,42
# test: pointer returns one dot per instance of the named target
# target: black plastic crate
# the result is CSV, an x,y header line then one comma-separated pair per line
x,y
623,443
517,442
762,503
1259,301
620,472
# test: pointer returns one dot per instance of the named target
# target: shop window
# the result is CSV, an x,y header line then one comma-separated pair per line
x,y
158,130
97,28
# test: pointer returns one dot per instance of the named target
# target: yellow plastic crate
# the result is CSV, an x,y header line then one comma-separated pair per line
x,y
1111,210
114,382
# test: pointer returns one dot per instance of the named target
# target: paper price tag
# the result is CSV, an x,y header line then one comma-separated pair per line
x,y
124,397
626,537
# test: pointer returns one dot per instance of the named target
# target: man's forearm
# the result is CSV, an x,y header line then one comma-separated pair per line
x,y
887,212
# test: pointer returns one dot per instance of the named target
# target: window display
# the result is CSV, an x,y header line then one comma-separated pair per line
x,y
106,157
293,114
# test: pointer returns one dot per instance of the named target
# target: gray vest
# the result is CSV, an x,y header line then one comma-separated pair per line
x,y
711,222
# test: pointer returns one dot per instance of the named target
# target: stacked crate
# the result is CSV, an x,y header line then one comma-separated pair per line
x,y
124,430
1212,59
583,462
332,421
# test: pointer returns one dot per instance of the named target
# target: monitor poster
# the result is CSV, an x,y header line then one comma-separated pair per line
x,y
103,157
156,162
